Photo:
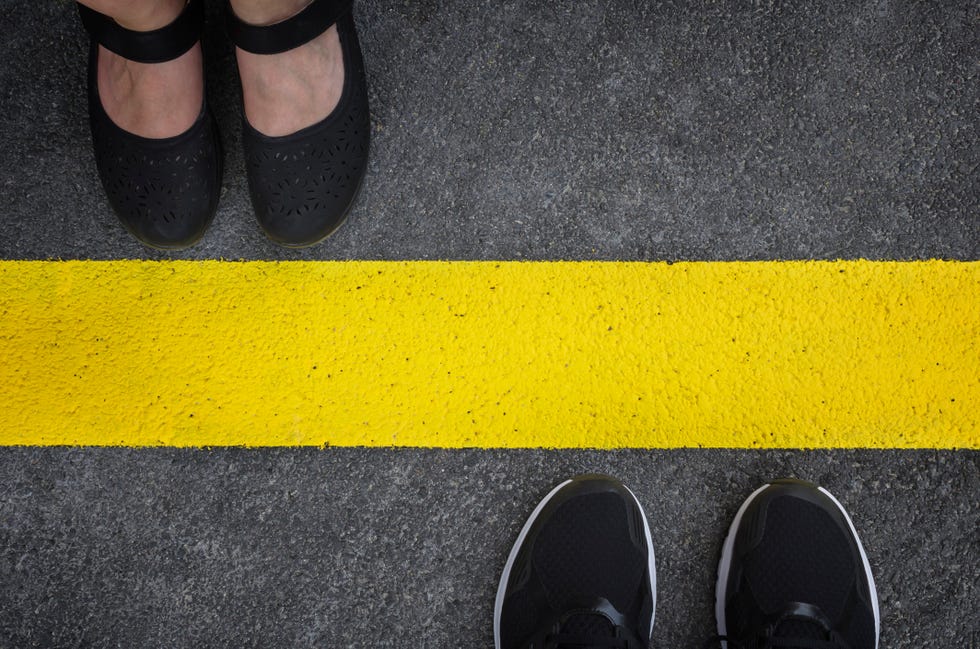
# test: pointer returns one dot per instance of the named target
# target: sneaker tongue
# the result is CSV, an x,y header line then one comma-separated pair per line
x,y
800,629
588,625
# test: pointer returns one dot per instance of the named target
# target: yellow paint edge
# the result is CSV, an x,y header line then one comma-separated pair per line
x,y
491,354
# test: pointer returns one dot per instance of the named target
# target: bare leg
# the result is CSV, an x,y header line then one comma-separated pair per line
x,y
286,92
153,100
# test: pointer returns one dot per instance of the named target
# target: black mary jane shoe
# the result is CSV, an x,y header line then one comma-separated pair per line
x,y
165,191
304,184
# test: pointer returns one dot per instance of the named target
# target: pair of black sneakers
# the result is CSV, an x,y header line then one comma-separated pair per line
x,y
582,574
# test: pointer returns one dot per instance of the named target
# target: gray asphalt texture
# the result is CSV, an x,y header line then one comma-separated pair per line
x,y
403,548
577,129
507,130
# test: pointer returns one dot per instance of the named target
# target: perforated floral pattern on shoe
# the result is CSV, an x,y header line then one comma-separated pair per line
x,y
303,185
164,191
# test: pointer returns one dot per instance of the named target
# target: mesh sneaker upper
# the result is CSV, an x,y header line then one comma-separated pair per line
x,y
582,535
802,558
796,577
580,577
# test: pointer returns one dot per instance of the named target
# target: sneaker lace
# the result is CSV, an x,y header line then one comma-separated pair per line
x,y
570,641
586,631
768,641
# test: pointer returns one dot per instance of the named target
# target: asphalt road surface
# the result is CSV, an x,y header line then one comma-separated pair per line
x,y
507,130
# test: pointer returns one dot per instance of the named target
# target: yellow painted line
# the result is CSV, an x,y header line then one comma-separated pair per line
x,y
488,354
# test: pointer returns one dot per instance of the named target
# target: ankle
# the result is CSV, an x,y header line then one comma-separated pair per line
x,y
148,16
267,12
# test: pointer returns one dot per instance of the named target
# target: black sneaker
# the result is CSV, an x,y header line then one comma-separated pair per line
x,y
581,573
793,574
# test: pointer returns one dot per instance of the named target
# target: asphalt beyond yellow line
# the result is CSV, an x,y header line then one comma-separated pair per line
x,y
491,354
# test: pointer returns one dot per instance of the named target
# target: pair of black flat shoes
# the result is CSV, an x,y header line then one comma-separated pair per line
x,y
302,185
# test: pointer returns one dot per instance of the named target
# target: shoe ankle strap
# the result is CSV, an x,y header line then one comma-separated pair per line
x,y
156,46
314,19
